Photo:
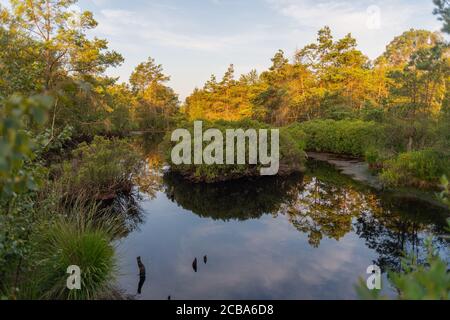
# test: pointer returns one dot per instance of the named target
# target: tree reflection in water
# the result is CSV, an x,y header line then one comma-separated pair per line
x,y
233,200
321,209
400,228
322,204
150,177
127,208
333,205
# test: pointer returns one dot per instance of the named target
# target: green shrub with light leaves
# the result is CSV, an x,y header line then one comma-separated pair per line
x,y
19,177
16,145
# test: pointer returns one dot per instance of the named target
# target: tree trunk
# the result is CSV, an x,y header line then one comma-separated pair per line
x,y
410,144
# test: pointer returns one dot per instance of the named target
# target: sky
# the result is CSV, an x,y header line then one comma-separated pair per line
x,y
193,39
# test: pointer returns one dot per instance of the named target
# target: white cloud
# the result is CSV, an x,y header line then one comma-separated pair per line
x,y
130,26
345,16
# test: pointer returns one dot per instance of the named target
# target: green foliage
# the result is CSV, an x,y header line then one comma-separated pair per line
x,y
443,12
419,169
49,142
401,48
16,145
228,99
411,134
16,224
347,137
297,135
420,282
419,87
155,102
46,47
19,178
292,158
101,169
20,73
61,34
401,99
429,281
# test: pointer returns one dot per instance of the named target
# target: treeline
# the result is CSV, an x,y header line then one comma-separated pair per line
x,y
332,79
45,49
393,111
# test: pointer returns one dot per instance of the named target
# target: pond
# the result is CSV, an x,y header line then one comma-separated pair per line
x,y
301,237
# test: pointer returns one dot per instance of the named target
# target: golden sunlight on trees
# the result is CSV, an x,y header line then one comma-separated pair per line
x,y
155,102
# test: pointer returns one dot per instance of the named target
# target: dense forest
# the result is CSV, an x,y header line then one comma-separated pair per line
x,y
65,129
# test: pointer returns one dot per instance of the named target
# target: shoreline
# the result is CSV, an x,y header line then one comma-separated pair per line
x,y
359,171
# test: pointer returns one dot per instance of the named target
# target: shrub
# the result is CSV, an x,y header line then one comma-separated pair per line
x,y
349,137
16,144
103,168
417,169
292,157
405,135
297,134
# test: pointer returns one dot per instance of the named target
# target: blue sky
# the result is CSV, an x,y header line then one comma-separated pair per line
x,y
195,38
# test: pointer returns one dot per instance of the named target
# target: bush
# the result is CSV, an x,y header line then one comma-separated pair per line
x,y
103,168
348,137
292,157
405,135
16,143
416,169
297,134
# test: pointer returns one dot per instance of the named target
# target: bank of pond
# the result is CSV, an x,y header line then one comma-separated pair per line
x,y
121,199
400,156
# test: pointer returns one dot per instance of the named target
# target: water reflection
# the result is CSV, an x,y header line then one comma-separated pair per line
x,y
150,178
325,210
308,236
328,204
401,228
127,210
234,200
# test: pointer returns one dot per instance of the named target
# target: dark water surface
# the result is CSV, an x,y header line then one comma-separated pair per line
x,y
302,237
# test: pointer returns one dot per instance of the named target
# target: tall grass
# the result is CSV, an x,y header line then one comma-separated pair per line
x,y
82,236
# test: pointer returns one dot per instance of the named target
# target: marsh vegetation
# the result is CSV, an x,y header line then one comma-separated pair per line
x,y
77,175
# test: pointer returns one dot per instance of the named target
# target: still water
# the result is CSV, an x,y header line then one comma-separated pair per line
x,y
301,237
